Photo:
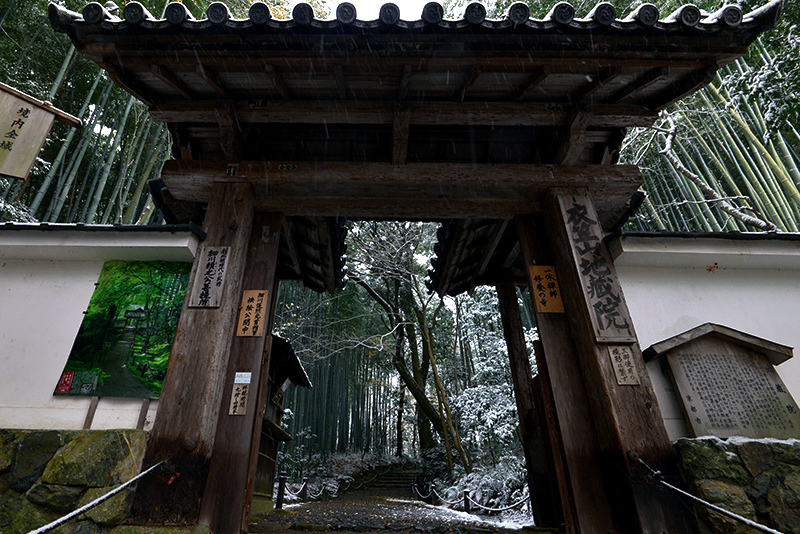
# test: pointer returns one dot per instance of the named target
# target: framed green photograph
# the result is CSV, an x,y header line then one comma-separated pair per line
x,y
124,341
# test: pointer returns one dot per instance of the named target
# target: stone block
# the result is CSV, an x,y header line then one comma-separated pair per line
x,y
154,529
8,442
709,459
730,497
110,513
34,451
786,453
97,459
756,456
55,497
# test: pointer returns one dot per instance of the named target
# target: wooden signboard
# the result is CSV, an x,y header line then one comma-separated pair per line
x,y
727,383
251,313
207,287
601,290
24,125
622,361
23,130
547,297
240,393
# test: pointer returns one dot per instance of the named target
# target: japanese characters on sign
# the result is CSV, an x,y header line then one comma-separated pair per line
x,y
210,278
608,312
622,362
733,394
65,383
546,293
23,130
241,390
251,313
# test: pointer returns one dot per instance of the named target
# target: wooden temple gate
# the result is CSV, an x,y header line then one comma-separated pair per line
x,y
505,131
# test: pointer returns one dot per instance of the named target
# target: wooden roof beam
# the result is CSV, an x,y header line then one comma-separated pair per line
x,y
126,82
644,81
278,81
166,76
212,79
687,85
598,82
472,77
539,76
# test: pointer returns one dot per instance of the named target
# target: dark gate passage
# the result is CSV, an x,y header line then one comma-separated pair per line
x,y
505,131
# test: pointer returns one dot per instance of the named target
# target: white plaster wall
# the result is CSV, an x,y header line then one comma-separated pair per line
x,y
41,308
669,292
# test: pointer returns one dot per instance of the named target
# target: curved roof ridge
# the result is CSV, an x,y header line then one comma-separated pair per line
x,y
517,18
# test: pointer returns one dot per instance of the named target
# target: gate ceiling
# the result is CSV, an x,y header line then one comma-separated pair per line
x,y
467,121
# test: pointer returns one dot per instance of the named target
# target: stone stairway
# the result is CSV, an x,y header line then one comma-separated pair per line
x,y
395,483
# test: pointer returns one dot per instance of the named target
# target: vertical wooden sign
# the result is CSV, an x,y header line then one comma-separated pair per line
x,y
622,361
208,284
251,313
547,295
241,390
611,321
23,130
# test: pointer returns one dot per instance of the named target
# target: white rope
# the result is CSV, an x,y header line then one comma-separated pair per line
x,y
749,523
752,524
443,499
420,495
479,505
92,504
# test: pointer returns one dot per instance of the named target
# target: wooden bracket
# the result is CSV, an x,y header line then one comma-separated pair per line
x,y
400,129
472,77
574,141
230,134
212,79
278,81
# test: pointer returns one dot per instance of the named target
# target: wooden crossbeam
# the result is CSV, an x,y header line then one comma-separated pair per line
x,y
422,114
126,82
687,85
412,191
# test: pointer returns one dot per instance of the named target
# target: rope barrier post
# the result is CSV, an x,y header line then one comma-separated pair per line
x,y
304,490
466,501
281,490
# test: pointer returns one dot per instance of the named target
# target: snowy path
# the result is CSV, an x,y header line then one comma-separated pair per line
x,y
361,511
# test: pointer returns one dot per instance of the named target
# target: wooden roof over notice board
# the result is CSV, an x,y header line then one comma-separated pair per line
x,y
467,120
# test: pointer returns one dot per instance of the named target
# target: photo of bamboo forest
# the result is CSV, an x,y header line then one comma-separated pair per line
x,y
124,341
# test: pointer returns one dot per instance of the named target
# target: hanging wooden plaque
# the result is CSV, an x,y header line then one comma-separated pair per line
x,y
23,130
209,280
546,294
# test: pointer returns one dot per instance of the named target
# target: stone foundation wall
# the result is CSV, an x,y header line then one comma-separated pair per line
x,y
757,479
46,474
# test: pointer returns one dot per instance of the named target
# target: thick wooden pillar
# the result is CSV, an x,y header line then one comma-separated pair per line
x,y
226,503
625,413
546,508
583,496
186,425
